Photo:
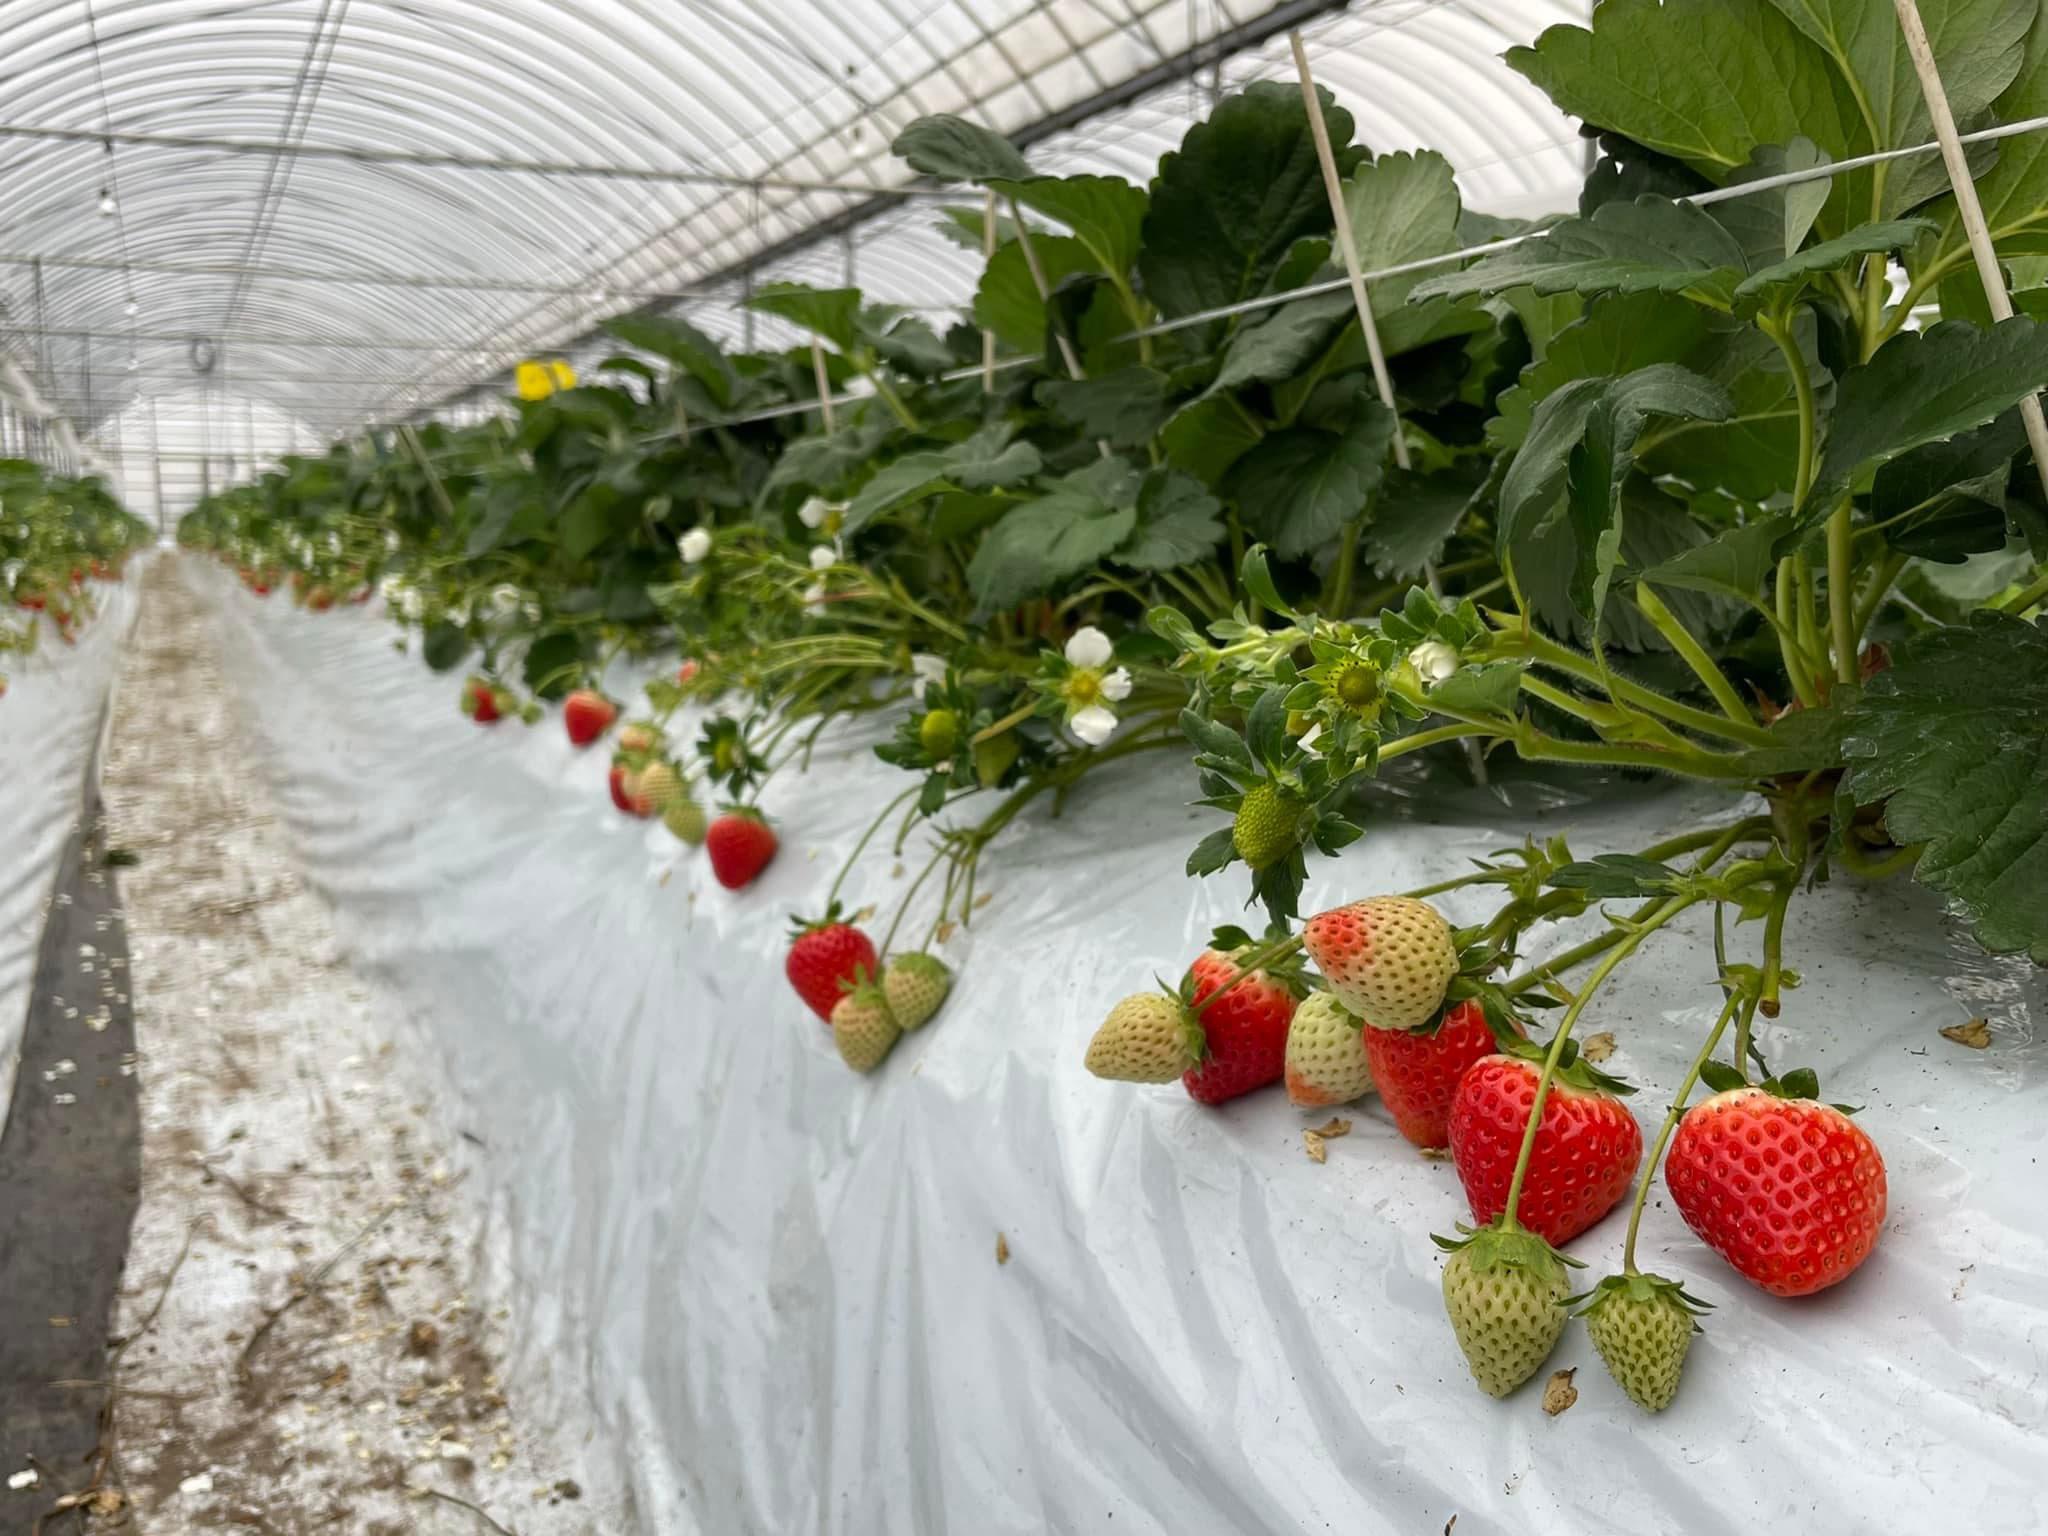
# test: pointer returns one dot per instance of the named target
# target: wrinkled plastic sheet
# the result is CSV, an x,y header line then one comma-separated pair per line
x,y
49,722
780,1280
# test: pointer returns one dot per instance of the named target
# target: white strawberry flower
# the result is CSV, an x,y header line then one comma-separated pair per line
x,y
1088,689
694,545
1433,661
812,513
814,597
925,670
1308,739
823,557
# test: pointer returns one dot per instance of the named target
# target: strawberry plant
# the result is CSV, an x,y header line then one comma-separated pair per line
x,y
1720,477
57,537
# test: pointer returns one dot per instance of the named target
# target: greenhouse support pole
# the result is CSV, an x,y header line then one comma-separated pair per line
x,y
988,254
1971,211
1347,242
824,382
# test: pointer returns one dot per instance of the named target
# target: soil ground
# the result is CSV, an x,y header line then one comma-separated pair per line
x,y
306,1336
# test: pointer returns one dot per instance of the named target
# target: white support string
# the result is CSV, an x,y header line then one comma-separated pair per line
x,y
1447,259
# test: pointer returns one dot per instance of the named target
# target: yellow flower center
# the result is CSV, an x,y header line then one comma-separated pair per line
x,y
1083,687
1356,685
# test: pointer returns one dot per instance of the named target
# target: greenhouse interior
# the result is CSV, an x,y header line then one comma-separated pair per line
x,y
1021,766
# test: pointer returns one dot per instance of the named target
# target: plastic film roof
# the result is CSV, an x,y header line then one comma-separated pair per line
x,y
352,210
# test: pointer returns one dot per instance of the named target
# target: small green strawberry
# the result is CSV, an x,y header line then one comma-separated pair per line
x,y
1642,1325
915,986
1147,1038
937,732
1326,1060
993,758
686,819
863,1028
1505,1293
1268,825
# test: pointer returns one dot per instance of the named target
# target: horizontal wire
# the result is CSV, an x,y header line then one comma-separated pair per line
x,y
440,160
1771,183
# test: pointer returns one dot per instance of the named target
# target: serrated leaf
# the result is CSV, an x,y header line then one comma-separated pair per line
x,y
832,313
1236,195
1616,335
1962,768
1780,280
674,338
1650,245
953,148
1178,522
1216,740
1104,213
1415,514
1299,487
1039,544
1006,300
1977,45
1123,408
1212,853
1207,437
1921,387
1770,226
1945,501
1613,876
2013,192
1705,83
1490,689
1733,563
1279,345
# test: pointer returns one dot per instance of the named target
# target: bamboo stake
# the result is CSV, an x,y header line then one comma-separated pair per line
x,y
824,381
1968,208
988,252
1059,331
1347,243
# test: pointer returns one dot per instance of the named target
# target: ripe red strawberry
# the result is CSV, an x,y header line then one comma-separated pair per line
x,y
826,958
1417,1071
1388,959
1245,1030
1788,1190
587,715
483,703
740,844
1586,1153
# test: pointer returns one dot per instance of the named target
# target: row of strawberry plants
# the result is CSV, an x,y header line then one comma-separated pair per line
x,y
57,536
1685,484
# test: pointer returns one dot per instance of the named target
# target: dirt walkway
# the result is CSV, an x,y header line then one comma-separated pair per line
x,y
309,1348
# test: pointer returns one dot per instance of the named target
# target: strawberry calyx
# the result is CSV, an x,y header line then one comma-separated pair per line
x,y
1499,1245
1801,1083
1194,1039
1637,1287
1572,1068
799,926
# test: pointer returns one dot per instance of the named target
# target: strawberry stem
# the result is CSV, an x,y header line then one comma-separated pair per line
x,y
1699,1062
1630,941
832,896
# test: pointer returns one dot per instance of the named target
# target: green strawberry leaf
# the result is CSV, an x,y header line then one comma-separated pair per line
x,y
832,313
1231,202
1961,765
1122,408
1923,386
1707,84
1415,515
1178,522
1651,245
1212,853
952,148
1104,213
1300,486
1611,876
